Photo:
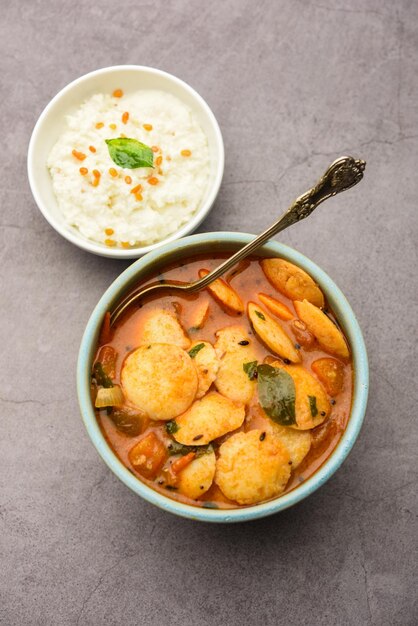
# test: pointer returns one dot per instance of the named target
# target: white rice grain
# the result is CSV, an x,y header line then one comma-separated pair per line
x,y
111,206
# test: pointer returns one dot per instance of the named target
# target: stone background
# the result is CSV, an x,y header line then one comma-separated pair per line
x,y
294,84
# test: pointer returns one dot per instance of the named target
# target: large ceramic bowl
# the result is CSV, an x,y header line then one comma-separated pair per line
x,y
51,124
214,243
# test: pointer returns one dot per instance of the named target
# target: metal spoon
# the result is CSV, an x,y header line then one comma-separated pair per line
x,y
342,174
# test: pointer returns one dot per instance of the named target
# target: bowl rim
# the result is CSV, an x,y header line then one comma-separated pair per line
x,y
94,247
345,316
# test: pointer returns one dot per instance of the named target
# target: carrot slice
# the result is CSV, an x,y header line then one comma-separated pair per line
x,y
200,315
276,307
183,462
224,293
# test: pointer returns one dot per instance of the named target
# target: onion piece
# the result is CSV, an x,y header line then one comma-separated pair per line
x,y
111,396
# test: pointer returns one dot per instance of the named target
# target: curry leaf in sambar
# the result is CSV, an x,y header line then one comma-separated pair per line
x,y
277,394
178,448
101,377
130,153
197,348
171,427
250,369
312,406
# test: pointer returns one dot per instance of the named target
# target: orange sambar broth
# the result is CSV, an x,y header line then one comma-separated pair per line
x,y
248,280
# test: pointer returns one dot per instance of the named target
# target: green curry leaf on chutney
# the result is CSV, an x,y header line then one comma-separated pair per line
x,y
130,153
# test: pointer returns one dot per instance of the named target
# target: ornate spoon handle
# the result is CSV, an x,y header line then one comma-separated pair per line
x,y
342,174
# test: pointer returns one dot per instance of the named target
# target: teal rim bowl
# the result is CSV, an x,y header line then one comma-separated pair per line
x,y
214,243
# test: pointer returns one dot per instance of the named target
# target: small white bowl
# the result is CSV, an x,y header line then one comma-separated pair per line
x,y
52,123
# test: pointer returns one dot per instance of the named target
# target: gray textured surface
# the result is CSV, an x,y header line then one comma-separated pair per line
x,y
293,84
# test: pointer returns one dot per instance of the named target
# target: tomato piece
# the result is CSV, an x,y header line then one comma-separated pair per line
x,y
183,462
148,455
302,335
130,421
331,374
107,357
